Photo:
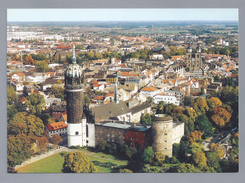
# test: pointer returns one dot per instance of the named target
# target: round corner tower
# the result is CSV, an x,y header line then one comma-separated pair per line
x,y
162,126
74,102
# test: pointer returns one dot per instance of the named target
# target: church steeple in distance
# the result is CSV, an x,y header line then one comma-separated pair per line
x,y
115,94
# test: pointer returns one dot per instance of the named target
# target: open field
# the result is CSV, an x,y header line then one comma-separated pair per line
x,y
53,164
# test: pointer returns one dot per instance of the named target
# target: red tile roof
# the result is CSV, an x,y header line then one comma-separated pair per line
x,y
56,126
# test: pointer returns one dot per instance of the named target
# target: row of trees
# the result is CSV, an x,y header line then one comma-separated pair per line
x,y
25,127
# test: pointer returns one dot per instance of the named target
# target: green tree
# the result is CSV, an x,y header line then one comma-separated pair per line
x,y
125,171
11,111
203,124
185,168
145,119
148,154
18,149
24,123
200,106
78,163
200,160
86,99
12,97
159,158
182,150
35,103
41,66
213,161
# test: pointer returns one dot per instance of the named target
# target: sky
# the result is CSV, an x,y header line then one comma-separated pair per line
x,y
204,14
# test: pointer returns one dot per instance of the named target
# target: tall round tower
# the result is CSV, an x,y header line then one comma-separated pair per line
x,y
162,126
74,100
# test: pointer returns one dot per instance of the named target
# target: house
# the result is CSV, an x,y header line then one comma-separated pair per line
x,y
176,69
150,91
166,98
119,111
111,78
57,109
139,110
19,76
97,86
59,128
50,101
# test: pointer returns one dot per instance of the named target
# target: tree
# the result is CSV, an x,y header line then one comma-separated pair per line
x,y
35,103
18,149
56,139
24,123
78,163
214,102
125,171
200,106
200,160
12,97
41,66
185,168
182,150
190,113
217,150
11,111
177,111
213,161
145,119
220,116
148,154
216,79
176,150
203,124
28,60
86,99
194,136
159,158
42,144
188,100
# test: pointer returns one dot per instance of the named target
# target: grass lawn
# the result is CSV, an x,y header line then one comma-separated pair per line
x,y
53,164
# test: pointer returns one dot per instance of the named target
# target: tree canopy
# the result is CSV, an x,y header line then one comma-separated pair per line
x,y
41,66
78,163
24,123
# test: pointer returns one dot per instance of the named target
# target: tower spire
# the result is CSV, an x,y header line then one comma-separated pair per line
x,y
74,55
115,95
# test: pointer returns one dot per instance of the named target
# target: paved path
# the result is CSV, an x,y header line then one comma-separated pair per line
x,y
52,152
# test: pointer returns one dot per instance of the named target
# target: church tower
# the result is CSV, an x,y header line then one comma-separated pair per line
x,y
76,127
116,99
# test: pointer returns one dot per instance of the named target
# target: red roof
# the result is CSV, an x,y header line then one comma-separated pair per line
x,y
35,91
56,126
22,99
20,74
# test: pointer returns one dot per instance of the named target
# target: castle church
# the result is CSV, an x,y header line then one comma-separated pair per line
x,y
77,126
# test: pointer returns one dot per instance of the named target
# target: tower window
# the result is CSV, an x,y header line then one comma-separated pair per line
x,y
76,132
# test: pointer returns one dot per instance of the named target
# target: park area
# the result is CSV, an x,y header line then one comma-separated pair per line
x,y
54,163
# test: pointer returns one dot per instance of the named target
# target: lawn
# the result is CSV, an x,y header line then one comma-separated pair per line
x,y
53,164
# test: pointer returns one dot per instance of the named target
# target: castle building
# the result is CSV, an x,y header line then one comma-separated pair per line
x,y
76,122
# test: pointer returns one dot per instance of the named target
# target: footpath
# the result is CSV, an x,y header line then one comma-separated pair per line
x,y
55,151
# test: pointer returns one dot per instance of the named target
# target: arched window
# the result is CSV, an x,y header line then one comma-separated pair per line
x,y
76,81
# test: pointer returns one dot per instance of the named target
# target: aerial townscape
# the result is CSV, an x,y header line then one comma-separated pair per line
x,y
122,97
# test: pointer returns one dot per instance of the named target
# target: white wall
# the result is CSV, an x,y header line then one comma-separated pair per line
x,y
91,135
178,133
73,139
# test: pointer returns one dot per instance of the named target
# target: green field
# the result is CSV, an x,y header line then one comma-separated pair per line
x,y
53,164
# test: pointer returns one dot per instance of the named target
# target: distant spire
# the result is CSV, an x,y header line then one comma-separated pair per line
x,y
115,94
74,55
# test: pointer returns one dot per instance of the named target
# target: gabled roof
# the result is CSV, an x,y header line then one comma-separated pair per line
x,y
56,126
149,89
